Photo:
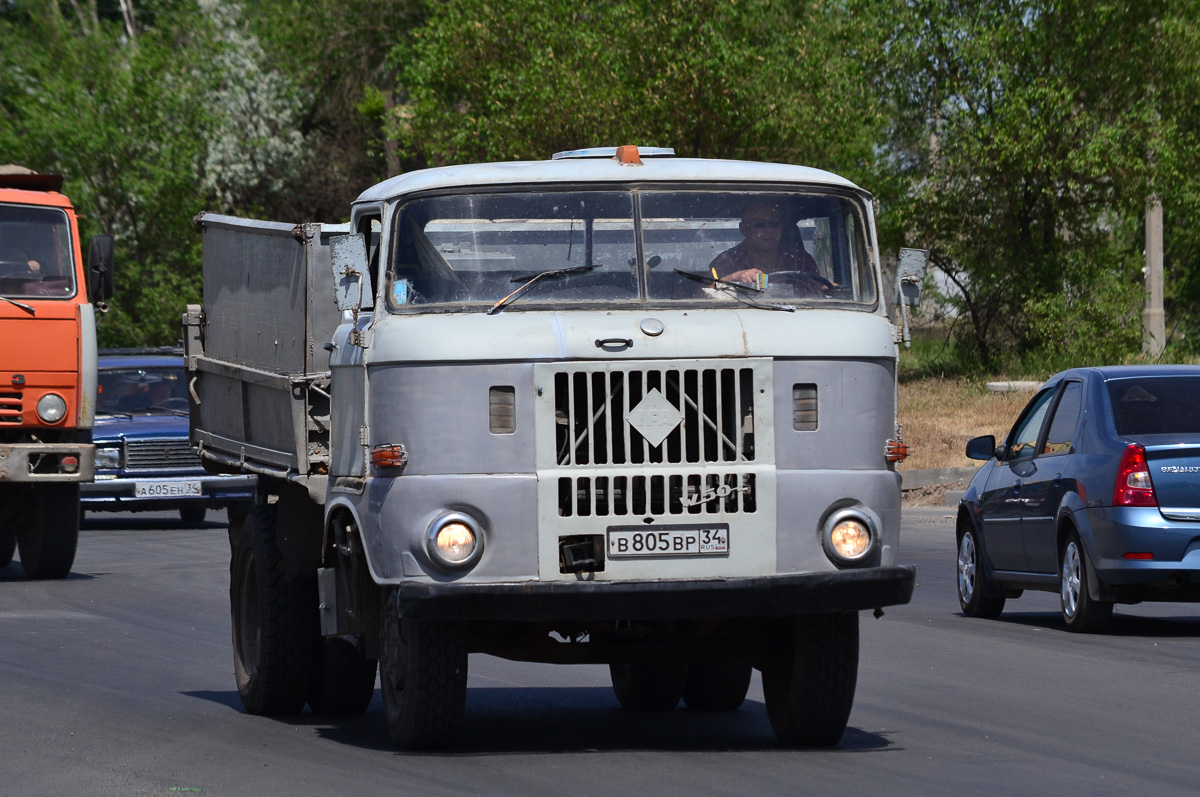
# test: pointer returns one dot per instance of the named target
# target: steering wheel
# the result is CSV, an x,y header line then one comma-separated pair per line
x,y
12,268
174,403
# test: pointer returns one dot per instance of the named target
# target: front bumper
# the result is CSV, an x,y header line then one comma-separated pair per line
x,y
41,462
581,601
118,495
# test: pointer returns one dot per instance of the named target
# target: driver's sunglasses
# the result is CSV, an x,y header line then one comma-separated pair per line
x,y
773,223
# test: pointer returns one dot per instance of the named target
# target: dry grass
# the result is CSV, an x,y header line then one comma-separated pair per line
x,y
939,416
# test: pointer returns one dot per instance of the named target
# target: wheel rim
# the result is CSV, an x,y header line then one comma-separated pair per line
x,y
1071,580
966,568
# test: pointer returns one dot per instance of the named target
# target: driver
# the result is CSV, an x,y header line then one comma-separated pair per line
x,y
764,251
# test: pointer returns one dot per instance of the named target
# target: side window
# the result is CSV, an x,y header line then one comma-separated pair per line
x,y
1061,436
1022,441
370,227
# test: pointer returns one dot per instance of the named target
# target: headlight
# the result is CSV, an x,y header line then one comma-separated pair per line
x,y
848,536
455,540
108,457
51,408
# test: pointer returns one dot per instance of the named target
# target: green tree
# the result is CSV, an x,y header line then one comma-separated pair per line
x,y
759,79
1027,135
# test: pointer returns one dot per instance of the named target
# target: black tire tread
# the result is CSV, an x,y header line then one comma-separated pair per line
x,y
48,539
279,681
810,693
648,685
433,703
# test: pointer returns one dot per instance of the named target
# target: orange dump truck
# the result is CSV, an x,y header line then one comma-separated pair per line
x,y
47,369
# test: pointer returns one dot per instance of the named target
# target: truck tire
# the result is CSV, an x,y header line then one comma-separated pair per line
x,y
719,683
648,685
8,546
343,680
809,686
48,538
423,679
275,621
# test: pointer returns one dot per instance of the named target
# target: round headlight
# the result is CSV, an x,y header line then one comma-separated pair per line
x,y
849,537
454,540
51,408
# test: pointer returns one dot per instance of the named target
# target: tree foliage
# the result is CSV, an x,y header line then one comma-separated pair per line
x,y
1019,140
758,79
1028,135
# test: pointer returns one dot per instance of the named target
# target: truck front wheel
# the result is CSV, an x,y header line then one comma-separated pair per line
x,y
274,621
808,685
423,678
48,537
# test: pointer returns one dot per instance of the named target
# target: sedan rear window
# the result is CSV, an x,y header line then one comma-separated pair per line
x,y
1164,405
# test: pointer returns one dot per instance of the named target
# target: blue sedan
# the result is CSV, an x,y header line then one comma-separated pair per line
x,y
1094,494
144,460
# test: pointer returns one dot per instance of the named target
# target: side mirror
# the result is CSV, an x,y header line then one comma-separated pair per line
x,y
351,288
983,448
910,275
100,268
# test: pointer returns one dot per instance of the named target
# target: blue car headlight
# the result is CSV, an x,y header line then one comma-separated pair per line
x,y
108,457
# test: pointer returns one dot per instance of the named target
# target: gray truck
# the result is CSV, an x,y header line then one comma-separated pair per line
x,y
527,409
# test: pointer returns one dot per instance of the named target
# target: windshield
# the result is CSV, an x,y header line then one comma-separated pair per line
x,y
35,252
153,389
612,247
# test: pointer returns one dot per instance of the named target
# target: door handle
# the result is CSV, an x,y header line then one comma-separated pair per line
x,y
1058,480
1017,486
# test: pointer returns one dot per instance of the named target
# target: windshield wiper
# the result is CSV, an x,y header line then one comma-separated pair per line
x,y
741,286
531,281
27,308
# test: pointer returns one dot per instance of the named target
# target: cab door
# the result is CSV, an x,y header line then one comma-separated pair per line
x,y
1004,496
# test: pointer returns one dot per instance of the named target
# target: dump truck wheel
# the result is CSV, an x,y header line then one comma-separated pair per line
x,y
717,684
423,678
343,680
275,621
809,685
50,534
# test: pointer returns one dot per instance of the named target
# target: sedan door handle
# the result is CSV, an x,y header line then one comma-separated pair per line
x,y
1058,480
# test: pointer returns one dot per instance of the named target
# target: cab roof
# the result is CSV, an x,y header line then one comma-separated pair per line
x,y
581,166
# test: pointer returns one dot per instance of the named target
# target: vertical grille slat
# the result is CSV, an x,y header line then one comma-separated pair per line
x,y
715,409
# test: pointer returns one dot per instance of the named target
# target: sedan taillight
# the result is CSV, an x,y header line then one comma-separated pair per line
x,y
1133,487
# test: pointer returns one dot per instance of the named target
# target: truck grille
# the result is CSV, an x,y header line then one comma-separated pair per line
x,y
635,416
160,455
10,407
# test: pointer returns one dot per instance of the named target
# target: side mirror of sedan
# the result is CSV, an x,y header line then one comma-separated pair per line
x,y
983,448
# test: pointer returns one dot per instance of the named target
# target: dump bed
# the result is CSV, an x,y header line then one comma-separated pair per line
x,y
259,372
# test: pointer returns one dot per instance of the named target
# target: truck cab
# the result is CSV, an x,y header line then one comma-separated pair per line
x,y
47,369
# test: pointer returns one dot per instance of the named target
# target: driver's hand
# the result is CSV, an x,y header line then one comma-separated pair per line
x,y
34,266
745,275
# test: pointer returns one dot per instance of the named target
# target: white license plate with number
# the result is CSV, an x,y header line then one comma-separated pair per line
x,y
668,541
166,489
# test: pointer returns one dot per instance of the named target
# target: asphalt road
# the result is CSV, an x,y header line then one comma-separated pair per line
x,y
119,680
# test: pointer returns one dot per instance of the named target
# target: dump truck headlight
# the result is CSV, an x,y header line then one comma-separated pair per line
x,y
51,408
848,536
455,540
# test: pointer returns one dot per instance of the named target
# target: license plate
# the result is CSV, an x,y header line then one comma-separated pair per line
x,y
166,489
668,541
